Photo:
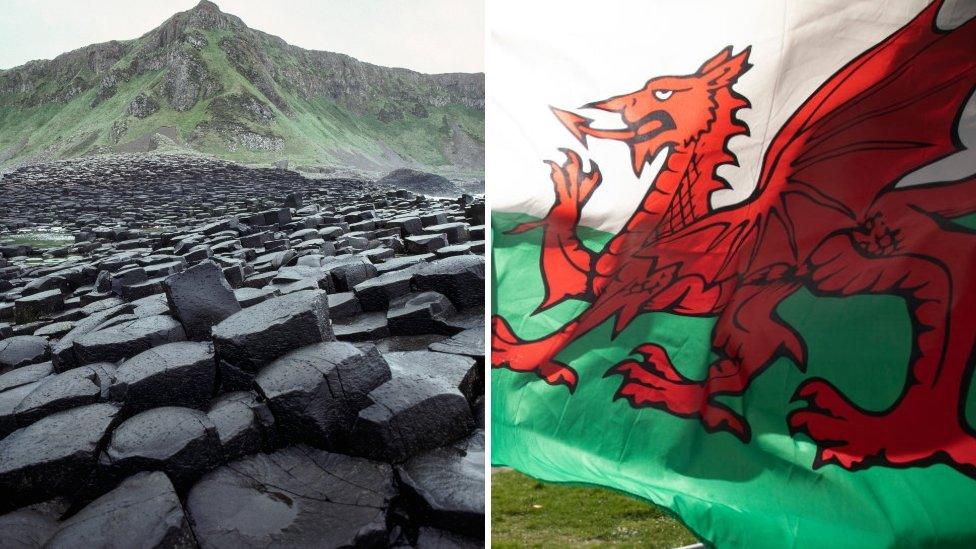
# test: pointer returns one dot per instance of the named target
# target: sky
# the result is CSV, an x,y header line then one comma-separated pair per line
x,y
424,35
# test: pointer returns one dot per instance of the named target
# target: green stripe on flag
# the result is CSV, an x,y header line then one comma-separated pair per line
x,y
764,493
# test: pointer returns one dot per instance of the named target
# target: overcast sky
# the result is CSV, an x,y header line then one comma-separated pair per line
x,y
424,35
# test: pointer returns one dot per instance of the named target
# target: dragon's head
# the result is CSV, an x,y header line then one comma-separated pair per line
x,y
669,110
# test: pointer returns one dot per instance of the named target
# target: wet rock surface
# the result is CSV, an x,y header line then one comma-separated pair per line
x,y
253,337
200,297
445,480
420,408
245,424
223,357
295,497
22,350
63,391
144,510
31,526
53,456
182,374
24,375
180,441
315,392
127,338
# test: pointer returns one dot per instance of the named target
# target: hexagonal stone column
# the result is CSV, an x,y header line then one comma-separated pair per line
x,y
200,297
257,335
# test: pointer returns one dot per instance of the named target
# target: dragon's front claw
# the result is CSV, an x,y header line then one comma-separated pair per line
x,y
654,382
657,360
558,374
519,355
573,186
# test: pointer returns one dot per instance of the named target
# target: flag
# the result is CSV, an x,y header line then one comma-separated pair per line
x,y
734,262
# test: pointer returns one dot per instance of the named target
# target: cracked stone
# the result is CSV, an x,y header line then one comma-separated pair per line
x,y
470,343
38,306
343,305
418,313
25,375
420,408
461,278
376,293
295,497
63,352
59,392
362,327
316,391
22,350
31,526
447,485
244,424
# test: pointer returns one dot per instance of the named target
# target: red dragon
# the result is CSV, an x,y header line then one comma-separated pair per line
x,y
827,214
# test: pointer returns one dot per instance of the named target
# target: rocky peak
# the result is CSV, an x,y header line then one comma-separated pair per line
x,y
207,15
206,6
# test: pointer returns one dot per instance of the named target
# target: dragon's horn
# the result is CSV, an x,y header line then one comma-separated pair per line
x,y
724,69
717,60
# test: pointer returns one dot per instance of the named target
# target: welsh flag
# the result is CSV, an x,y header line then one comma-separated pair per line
x,y
734,254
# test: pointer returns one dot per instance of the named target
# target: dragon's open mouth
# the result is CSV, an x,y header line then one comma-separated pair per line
x,y
652,125
644,129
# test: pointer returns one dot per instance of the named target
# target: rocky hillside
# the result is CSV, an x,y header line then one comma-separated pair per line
x,y
203,80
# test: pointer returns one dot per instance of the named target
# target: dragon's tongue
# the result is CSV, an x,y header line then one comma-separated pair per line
x,y
619,135
579,126
575,123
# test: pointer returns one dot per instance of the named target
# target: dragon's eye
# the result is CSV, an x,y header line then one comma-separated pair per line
x,y
663,94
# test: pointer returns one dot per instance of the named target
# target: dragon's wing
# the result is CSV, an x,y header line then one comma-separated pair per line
x,y
890,111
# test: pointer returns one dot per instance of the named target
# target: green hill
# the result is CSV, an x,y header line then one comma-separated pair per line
x,y
205,81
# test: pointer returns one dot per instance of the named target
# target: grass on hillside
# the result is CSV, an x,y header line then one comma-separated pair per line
x,y
529,513
314,132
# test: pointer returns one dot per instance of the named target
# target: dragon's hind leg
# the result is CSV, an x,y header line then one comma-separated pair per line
x,y
748,337
901,250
